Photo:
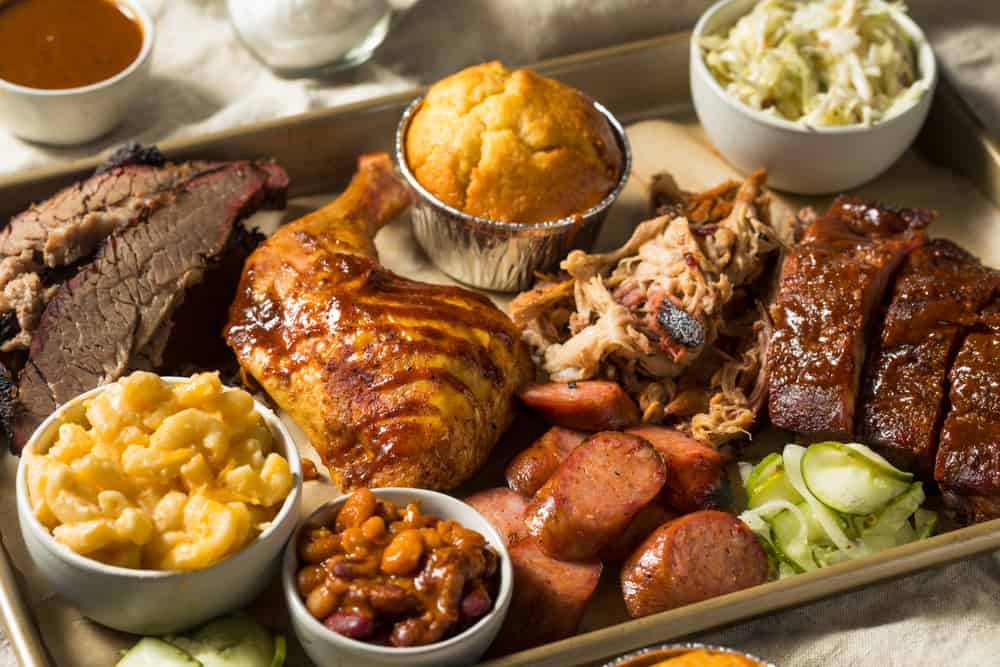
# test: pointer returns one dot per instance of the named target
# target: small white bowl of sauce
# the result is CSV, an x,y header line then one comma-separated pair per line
x,y
68,70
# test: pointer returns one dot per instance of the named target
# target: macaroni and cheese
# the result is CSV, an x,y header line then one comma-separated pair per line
x,y
160,476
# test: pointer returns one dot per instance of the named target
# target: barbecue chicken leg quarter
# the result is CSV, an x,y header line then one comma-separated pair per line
x,y
395,382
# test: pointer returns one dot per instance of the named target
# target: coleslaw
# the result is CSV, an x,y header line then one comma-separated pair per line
x,y
821,63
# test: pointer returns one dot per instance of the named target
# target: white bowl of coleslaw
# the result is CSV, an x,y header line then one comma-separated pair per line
x,y
822,93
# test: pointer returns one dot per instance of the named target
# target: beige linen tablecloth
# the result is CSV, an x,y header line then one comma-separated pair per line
x,y
204,80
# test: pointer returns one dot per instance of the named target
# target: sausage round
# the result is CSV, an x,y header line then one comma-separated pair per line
x,y
692,558
649,518
590,405
594,495
696,478
504,509
549,599
530,469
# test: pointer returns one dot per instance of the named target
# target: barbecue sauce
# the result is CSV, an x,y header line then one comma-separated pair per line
x,y
58,44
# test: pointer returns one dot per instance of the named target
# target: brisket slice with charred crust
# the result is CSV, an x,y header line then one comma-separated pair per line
x,y
116,313
830,285
968,457
937,294
49,242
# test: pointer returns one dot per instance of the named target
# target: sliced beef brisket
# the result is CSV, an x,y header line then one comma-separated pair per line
x,y
111,316
132,154
937,295
830,284
44,243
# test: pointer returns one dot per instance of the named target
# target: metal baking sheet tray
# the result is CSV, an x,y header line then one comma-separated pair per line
x,y
637,81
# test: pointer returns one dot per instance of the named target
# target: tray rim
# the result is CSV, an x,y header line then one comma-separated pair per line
x,y
666,626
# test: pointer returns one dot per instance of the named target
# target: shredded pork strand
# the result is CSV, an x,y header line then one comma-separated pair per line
x,y
651,315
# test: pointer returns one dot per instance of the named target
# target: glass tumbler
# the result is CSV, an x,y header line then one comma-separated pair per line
x,y
300,37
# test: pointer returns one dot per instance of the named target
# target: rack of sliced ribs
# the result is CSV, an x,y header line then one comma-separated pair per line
x,y
884,336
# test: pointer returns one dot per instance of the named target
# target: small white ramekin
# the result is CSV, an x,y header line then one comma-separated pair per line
x,y
326,648
152,602
68,116
801,159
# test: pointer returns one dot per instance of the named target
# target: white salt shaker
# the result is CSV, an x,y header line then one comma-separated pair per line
x,y
300,36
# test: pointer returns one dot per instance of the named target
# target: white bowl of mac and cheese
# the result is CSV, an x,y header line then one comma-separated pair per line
x,y
154,504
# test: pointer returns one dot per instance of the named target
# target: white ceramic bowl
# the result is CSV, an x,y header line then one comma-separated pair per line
x,y
76,115
801,159
154,601
329,649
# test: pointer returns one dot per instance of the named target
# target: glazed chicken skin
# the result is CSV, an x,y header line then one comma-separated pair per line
x,y
395,382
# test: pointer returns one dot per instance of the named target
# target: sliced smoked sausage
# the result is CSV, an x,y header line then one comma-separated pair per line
x,y
594,495
692,558
696,477
549,598
530,469
504,509
649,518
588,405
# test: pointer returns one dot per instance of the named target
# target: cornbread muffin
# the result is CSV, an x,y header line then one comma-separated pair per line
x,y
512,145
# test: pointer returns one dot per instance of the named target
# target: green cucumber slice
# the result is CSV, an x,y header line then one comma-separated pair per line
x,y
816,533
791,539
786,570
893,516
854,526
924,523
756,524
764,537
875,459
905,534
280,651
848,484
870,544
153,652
793,456
862,524
825,556
775,487
233,641
769,465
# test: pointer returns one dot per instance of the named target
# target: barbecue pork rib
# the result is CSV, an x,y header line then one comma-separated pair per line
x,y
937,295
968,458
395,382
830,284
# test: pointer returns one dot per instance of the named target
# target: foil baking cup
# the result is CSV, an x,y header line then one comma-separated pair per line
x,y
651,655
496,255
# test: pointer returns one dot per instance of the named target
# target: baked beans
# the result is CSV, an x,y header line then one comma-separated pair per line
x,y
393,575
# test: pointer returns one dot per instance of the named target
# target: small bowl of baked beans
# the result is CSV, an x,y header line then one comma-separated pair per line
x,y
396,576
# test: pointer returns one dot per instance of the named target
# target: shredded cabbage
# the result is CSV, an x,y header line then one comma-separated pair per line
x,y
822,63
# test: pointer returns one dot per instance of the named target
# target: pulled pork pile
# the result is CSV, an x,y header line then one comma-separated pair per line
x,y
674,315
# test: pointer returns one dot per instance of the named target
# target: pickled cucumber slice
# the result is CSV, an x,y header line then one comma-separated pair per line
x,y
875,459
153,652
775,487
791,539
925,523
794,456
234,641
763,471
848,483
891,518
